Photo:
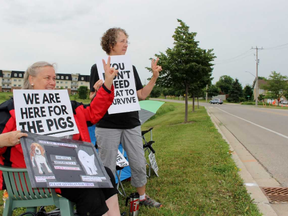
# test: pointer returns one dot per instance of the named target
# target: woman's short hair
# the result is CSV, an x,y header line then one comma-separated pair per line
x,y
108,39
33,70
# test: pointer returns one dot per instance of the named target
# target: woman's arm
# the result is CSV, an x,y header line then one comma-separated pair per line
x,y
96,87
11,138
103,99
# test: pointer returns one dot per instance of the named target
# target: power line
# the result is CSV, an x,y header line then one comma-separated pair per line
x,y
227,62
237,56
246,54
275,47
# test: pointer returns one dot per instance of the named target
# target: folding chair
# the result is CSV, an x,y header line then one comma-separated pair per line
x,y
147,146
119,183
121,163
21,194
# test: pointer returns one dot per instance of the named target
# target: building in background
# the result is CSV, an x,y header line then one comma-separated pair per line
x,y
63,81
83,80
16,78
1,78
10,80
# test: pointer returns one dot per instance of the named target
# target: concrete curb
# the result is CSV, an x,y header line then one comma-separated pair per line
x,y
251,185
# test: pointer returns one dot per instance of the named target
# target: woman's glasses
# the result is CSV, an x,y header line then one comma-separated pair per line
x,y
124,41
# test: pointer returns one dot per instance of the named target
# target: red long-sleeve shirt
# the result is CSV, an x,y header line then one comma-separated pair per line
x,y
13,156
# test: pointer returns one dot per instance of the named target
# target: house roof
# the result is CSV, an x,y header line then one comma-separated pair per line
x,y
63,76
261,83
86,78
15,74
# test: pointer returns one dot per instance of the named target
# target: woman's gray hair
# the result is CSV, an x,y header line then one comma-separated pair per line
x,y
33,70
108,40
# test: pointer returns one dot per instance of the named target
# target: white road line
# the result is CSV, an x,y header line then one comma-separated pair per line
x,y
279,134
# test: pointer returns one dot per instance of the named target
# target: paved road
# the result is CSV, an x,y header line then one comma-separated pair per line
x,y
262,131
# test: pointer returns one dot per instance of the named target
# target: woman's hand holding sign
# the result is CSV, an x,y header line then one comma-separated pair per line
x,y
97,85
11,138
110,73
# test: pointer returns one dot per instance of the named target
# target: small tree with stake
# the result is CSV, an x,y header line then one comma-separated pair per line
x,y
185,66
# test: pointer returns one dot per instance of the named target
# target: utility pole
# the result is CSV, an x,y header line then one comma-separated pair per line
x,y
256,84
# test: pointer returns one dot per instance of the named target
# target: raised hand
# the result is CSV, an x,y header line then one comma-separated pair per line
x,y
110,73
155,68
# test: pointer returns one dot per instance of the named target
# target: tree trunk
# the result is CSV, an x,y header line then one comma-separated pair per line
x,y
193,102
198,102
186,104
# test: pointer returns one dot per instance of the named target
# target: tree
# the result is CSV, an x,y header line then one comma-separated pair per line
x,y
236,92
156,92
165,92
225,84
213,90
261,97
277,85
185,66
248,92
83,92
197,93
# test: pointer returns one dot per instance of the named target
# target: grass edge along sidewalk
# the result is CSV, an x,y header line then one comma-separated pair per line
x,y
197,175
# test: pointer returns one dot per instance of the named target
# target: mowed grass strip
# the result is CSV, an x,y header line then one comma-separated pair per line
x,y
197,175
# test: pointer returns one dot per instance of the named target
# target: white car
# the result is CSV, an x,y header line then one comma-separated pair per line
x,y
216,101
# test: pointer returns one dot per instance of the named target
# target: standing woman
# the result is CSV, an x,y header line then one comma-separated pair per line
x,y
41,75
124,128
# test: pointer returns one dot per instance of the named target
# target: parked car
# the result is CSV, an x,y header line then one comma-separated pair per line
x,y
284,102
216,101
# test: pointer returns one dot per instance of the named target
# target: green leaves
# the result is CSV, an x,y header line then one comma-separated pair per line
x,y
277,85
185,66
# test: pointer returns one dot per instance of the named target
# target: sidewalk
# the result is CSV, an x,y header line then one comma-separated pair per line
x,y
252,173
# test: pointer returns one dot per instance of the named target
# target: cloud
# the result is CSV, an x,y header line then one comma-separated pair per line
x,y
68,32
25,12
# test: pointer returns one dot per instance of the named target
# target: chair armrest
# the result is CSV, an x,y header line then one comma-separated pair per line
x,y
146,131
11,169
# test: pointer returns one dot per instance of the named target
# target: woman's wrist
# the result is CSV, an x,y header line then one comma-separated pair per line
x,y
108,84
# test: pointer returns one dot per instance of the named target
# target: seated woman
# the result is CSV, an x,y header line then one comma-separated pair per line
x,y
41,75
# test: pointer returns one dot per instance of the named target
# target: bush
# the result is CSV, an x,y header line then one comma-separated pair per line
x,y
248,103
83,92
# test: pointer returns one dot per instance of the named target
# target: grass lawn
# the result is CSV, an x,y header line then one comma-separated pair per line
x,y
197,175
5,96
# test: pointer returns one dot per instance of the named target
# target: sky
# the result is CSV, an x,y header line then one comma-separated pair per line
x,y
68,33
